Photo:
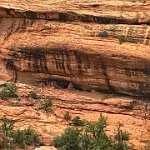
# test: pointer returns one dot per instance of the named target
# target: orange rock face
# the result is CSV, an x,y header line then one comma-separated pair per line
x,y
132,113
88,45
62,40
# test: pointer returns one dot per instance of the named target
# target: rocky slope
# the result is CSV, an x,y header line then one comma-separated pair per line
x,y
59,40
133,113
72,51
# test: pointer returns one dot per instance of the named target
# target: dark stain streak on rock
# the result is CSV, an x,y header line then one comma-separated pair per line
x,y
38,58
71,16
30,14
85,66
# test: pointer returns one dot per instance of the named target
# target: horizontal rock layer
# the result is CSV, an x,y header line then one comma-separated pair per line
x,y
132,113
44,41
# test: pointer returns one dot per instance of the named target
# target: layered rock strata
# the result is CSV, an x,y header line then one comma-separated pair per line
x,y
133,114
59,41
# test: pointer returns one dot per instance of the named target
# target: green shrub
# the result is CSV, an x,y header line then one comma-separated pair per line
x,y
6,129
103,34
99,138
6,143
69,140
10,139
25,137
9,91
133,40
121,137
90,137
7,126
121,39
76,121
46,105
97,128
67,116
33,95
85,141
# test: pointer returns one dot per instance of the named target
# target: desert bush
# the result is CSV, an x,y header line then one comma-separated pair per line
x,y
6,143
10,139
7,126
69,140
33,95
121,39
99,138
9,91
76,121
46,105
6,129
121,138
85,141
25,137
103,34
90,137
67,116
133,40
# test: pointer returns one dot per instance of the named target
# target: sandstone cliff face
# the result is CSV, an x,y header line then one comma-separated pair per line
x,y
59,40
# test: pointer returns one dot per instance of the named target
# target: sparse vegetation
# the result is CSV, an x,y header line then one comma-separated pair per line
x,y
91,137
70,140
121,39
133,40
25,137
13,104
11,139
121,137
76,121
33,95
147,147
67,116
46,105
9,91
103,34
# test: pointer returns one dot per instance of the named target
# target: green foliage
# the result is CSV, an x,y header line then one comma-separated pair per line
x,y
67,116
69,140
90,137
7,126
97,128
9,91
121,137
103,34
6,129
10,139
85,141
6,143
130,39
25,137
46,105
33,95
76,121
133,40
99,140
121,39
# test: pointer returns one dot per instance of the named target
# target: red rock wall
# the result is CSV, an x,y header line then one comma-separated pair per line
x,y
55,43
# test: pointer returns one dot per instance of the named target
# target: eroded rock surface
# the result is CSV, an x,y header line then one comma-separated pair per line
x,y
133,113
59,40
59,43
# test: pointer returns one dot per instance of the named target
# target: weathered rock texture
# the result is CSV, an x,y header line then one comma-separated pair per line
x,y
59,40
134,114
